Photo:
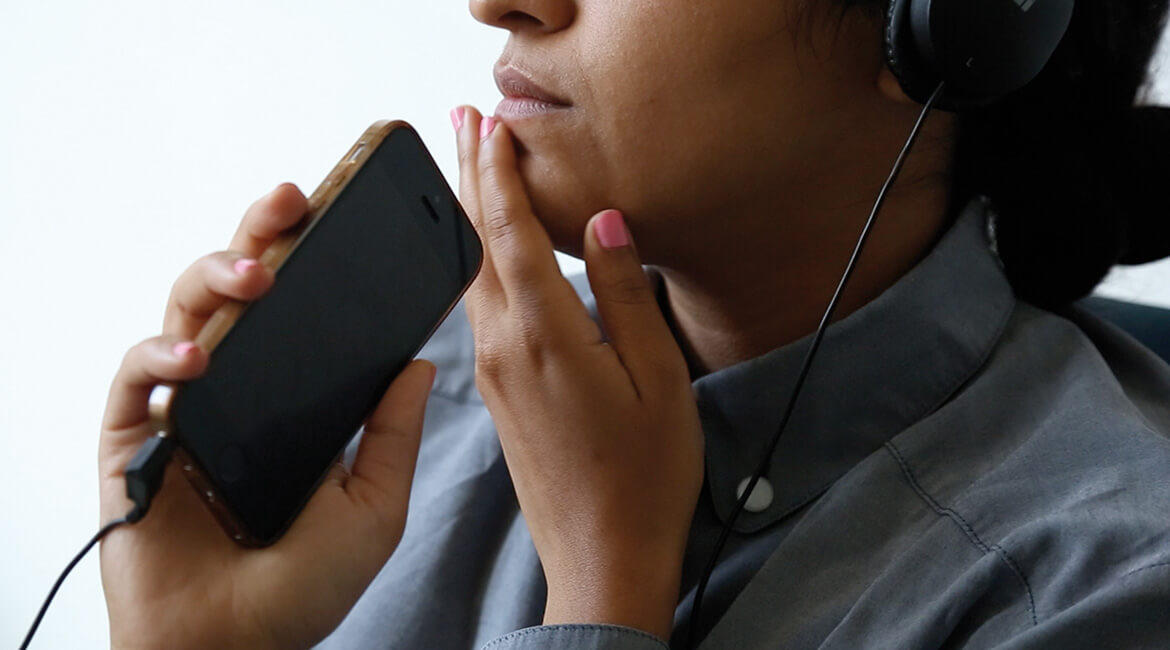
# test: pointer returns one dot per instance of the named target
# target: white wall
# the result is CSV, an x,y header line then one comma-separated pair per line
x,y
133,134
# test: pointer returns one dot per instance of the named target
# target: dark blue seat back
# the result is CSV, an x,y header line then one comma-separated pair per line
x,y
1150,325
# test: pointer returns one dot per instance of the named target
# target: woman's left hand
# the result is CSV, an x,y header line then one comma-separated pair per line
x,y
602,438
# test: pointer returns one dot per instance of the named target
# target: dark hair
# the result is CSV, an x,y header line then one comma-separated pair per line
x,y
1072,164
1073,167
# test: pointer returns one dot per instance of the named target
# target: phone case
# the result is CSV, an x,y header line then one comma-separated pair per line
x,y
221,322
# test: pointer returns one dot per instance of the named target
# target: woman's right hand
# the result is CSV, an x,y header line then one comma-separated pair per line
x,y
175,580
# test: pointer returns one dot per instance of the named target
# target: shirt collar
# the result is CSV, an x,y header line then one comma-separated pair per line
x,y
879,370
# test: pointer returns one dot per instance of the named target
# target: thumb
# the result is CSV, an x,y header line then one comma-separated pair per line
x,y
626,302
384,467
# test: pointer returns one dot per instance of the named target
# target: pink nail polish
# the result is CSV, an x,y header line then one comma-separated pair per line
x,y
243,266
183,349
610,229
457,118
486,127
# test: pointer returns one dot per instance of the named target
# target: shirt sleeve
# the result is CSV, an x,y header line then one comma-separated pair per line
x,y
1133,612
577,637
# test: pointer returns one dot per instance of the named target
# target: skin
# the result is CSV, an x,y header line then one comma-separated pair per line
x,y
737,155
745,166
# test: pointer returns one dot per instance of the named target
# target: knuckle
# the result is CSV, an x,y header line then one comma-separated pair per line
x,y
256,207
533,346
214,265
529,335
525,273
489,165
496,217
199,270
194,269
287,190
222,257
133,355
525,346
490,362
181,303
466,156
135,358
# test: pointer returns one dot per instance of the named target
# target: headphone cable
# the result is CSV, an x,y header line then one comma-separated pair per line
x,y
814,346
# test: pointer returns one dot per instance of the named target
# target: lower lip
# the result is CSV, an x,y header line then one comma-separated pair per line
x,y
517,108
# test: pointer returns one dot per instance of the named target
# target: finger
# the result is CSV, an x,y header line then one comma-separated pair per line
x,y
337,475
521,249
151,362
484,296
626,303
207,284
350,527
384,468
267,218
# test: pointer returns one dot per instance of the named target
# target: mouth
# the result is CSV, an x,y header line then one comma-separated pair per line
x,y
523,96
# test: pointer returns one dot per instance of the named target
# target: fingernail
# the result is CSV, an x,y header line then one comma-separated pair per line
x,y
486,127
610,229
243,266
457,118
183,349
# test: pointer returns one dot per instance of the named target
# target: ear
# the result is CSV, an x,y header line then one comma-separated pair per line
x,y
890,88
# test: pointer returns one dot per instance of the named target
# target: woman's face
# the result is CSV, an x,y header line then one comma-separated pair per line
x,y
684,113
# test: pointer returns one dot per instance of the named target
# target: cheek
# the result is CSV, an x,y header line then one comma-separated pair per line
x,y
671,173
668,134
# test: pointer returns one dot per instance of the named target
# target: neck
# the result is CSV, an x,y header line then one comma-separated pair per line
x,y
762,294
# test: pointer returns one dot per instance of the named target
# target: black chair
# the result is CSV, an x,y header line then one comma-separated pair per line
x,y
1149,325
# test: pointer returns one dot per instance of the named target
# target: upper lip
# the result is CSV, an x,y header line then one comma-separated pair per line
x,y
515,83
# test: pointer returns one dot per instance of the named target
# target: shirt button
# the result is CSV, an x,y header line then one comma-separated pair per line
x,y
761,497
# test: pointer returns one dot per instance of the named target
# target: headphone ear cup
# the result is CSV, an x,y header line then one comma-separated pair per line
x,y
914,73
982,49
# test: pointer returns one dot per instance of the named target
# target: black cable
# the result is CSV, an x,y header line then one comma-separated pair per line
x,y
143,477
815,345
65,574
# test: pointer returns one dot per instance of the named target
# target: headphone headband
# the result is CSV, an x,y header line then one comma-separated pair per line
x,y
982,49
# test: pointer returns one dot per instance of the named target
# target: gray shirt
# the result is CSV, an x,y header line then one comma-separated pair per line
x,y
963,470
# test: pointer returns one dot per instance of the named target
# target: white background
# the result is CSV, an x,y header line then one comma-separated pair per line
x,y
133,135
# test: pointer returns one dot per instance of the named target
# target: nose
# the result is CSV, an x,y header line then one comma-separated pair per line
x,y
539,16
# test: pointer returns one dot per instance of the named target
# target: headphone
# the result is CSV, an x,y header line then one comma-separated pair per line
x,y
947,54
981,49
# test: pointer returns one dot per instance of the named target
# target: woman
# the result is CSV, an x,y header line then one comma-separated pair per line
x,y
964,468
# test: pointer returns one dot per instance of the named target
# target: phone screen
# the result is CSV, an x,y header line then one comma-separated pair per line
x,y
294,378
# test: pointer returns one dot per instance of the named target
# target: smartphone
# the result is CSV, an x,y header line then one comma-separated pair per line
x,y
378,262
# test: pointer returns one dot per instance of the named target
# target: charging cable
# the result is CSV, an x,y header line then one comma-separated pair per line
x,y
766,461
144,475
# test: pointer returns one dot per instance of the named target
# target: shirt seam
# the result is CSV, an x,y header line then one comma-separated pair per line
x,y
751,525
592,627
1158,565
968,530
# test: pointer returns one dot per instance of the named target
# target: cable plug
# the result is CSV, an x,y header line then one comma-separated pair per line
x,y
144,474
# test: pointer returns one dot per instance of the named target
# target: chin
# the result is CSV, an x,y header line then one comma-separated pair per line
x,y
566,230
560,202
